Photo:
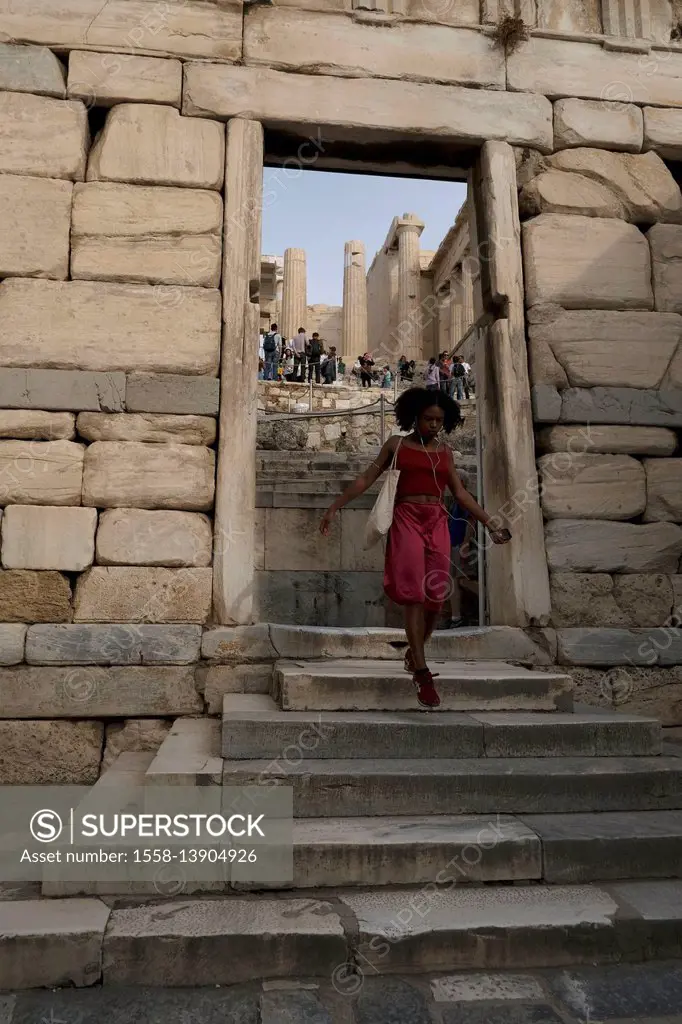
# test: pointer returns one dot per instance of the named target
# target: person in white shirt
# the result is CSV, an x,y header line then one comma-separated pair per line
x,y
298,344
467,371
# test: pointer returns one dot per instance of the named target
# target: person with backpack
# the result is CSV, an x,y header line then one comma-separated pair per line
x,y
272,346
459,376
315,351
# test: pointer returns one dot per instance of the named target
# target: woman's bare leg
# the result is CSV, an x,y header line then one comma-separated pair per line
x,y
430,619
415,627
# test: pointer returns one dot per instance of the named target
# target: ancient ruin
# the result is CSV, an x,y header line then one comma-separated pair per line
x,y
140,517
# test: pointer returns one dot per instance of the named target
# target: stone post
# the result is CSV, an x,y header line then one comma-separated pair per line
x,y
354,330
467,298
409,331
235,499
444,333
456,309
294,293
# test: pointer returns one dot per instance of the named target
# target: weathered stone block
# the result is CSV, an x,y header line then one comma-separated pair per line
x,y
148,427
217,680
30,425
35,214
664,490
180,326
41,472
62,389
645,600
560,192
354,555
610,647
579,546
172,393
31,69
238,644
608,439
641,182
546,402
120,474
134,734
662,132
130,536
584,599
104,79
425,111
622,405
586,486
126,594
586,263
457,56
151,235
45,137
307,551
27,596
666,251
35,753
147,144
614,126
113,645
44,691
39,537
12,638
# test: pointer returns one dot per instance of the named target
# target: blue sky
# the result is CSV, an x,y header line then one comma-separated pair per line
x,y
318,211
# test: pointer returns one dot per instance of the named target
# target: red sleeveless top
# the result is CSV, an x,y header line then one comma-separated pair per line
x,y
422,471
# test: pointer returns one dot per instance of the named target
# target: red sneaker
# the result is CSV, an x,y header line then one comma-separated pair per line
x,y
427,695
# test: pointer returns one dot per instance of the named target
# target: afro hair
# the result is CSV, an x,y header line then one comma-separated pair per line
x,y
413,402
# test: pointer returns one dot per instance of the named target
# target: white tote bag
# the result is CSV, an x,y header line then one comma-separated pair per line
x,y
381,516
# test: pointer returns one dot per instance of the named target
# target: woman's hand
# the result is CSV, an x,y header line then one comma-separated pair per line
x,y
326,521
502,536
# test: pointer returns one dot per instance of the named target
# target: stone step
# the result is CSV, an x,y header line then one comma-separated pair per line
x,y
367,685
189,755
254,727
438,928
410,786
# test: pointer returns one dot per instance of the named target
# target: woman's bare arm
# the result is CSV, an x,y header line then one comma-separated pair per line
x,y
361,483
466,501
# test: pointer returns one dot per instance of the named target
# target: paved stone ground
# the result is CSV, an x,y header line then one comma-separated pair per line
x,y
650,993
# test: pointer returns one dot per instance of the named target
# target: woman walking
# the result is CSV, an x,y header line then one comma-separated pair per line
x,y
417,567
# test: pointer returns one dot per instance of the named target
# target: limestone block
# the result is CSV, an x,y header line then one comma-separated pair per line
x,y
148,427
133,734
584,599
193,28
608,439
354,555
50,753
610,647
12,638
666,250
120,326
113,645
218,680
614,126
104,79
546,402
36,425
587,486
298,40
39,537
560,192
155,235
616,349
31,69
61,389
664,490
34,596
126,594
580,546
44,137
621,405
566,67
121,474
413,109
662,132
129,536
172,393
641,182
35,214
586,262
92,691
41,472
635,691
239,644
283,524
581,16
152,145
645,600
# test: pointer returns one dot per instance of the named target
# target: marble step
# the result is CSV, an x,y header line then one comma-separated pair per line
x,y
254,727
409,786
439,928
367,685
189,755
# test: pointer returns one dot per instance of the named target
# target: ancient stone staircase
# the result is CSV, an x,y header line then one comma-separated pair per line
x,y
508,829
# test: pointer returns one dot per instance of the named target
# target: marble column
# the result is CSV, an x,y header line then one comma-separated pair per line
x,y
354,330
444,333
294,293
409,331
467,298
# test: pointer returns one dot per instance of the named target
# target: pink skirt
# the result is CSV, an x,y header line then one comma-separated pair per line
x,y
417,568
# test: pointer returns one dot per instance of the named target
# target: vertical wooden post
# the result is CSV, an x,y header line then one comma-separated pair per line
x,y
233,546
